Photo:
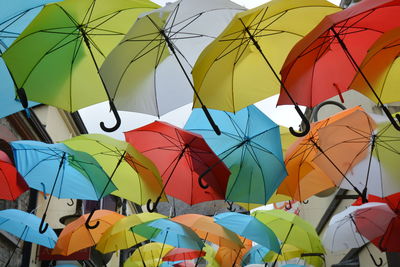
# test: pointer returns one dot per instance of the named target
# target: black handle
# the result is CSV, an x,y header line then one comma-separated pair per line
x,y
200,180
42,229
305,122
230,206
391,119
117,119
211,121
305,201
22,97
71,202
87,223
288,207
152,209
374,260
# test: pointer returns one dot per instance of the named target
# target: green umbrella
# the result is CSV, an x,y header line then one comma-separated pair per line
x,y
56,59
135,176
291,229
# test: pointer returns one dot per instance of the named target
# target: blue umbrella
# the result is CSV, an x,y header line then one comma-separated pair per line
x,y
14,17
25,226
250,146
169,232
250,228
255,255
61,171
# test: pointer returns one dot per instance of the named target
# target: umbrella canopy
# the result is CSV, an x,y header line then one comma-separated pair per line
x,y
380,66
389,241
181,157
243,60
184,254
248,227
135,176
119,236
207,229
291,229
12,185
25,227
313,168
162,44
377,173
68,41
250,146
61,171
356,225
255,255
318,66
168,232
76,236
149,255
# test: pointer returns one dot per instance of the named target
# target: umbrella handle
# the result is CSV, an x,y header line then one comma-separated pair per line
x,y
71,202
304,121
87,223
374,260
288,207
230,206
117,118
200,180
211,120
152,209
391,119
42,229
305,201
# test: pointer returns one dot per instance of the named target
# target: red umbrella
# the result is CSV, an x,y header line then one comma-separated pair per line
x,y
12,185
324,62
182,157
178,254
390,240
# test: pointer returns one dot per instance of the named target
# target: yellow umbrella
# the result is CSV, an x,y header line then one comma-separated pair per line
x,y
210,256
135,176
149,255
290,252
119,236
236,62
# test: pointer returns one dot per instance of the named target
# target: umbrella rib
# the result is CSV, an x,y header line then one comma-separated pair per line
x,y
78,45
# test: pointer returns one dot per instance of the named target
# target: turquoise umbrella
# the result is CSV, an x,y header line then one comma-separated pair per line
x,y
169,232
250,146
14,17
255,255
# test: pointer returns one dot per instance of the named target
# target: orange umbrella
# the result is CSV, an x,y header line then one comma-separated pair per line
x,y
207,229
227,257
312,170
76,236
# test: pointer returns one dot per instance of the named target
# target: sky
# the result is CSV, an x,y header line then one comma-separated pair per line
x,y
93,115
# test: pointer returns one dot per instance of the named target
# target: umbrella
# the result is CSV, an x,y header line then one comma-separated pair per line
x,y
148,255
354,226
168,232
291,229
253,48
324,62
377,173
207,229
12,185
248,227
255,255
389,241
135,176
119,236
250,146
68,41
14,17
162,44
60,171
76,236
313,168
181,157
25,226
184,254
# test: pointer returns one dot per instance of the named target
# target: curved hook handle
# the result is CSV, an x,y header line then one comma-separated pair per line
x,y
42,229
230,206
200,180
391,119
117,118
71,202
305,201
87,223
152,209
210,119
374,260
305,122
288,207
